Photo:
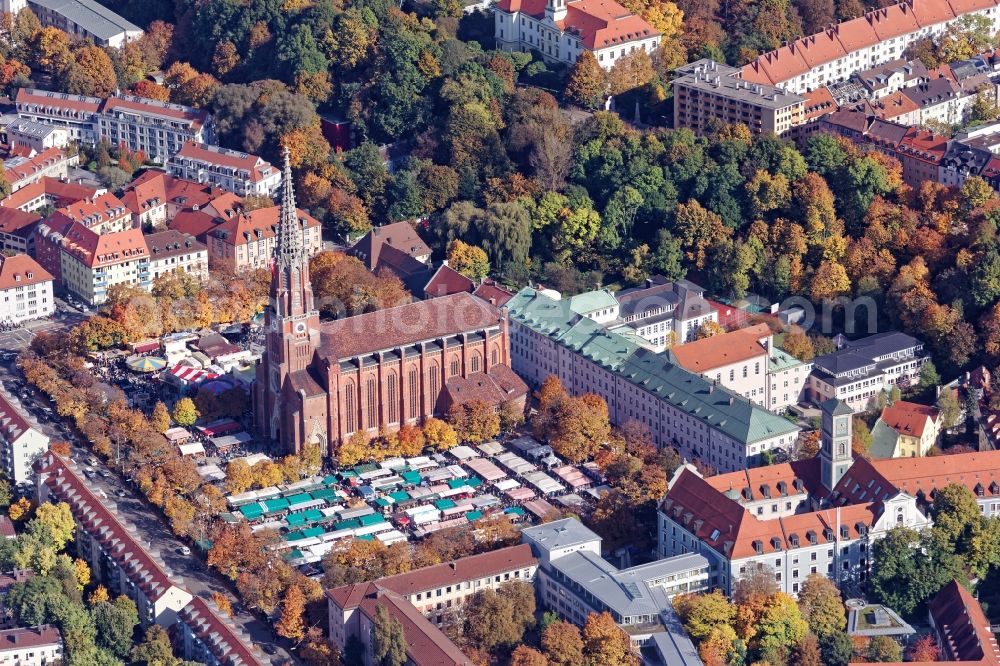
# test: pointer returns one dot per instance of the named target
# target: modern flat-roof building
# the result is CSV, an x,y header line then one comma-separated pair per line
x,y
82,19
25,290
861,369
561,30
708,95
175,252
440,590
680,408
31,646
22,441
575,581
240,173
109,548
36,136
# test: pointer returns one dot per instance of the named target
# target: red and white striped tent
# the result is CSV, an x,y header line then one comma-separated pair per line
x,y
185,375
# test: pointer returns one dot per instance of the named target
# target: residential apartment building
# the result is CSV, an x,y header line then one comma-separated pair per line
x,y
159,129
49,192
905,430
22,441
51,163
103,214
157,198
574,581
25,290
240,173
352,610
81,19
561,30
788,379
76,113
92,263
175,252
708,95
680,408
114,555
879,36
246,241
38,137
819,515
206,638
17,231
31,646
439,591
861,369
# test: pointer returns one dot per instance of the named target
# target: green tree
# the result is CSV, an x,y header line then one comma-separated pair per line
x,y
950,409
490,622
956,516
185,413
929,376
155,649
836,649
781,624
115,622
53,523
668,257
388,640
587,82
904,581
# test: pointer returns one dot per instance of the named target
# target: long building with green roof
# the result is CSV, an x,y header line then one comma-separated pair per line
x,y
700,418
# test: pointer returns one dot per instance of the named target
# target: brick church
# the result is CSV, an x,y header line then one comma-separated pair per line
x,y
320,383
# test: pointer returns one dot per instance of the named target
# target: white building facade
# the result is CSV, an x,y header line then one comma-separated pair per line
x,y
25,290
240,173
22,440
607,29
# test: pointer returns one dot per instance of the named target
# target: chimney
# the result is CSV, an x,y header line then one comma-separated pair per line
x,y
453,565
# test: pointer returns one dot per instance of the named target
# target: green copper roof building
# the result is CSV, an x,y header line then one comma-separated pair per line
x,y
701,418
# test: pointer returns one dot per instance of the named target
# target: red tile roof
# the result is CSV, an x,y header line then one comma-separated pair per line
x,y
856,34
255,168
599,23
30,167
446,280
94,517
99,250
819,102
13,422
877,479
196,223
61,192
908,418
820,48
7,527
45,98
736,346
228,646
33,637
94,212
21,271
130,104
494,387
16,222
406,324
261,223
426,645
493,293
400,235
923,145
960,620
799,477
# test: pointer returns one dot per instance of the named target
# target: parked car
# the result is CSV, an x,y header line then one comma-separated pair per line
x,y
184,550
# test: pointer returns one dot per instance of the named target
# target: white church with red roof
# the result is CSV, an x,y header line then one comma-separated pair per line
x,y
561,30
812,516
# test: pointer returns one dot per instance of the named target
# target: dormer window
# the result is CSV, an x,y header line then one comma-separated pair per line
x,y
782,488
828,534
765,490
811,536
758,546
845,532
794,540
776,543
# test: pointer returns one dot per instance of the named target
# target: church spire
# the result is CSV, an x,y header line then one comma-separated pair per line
x,y
290,250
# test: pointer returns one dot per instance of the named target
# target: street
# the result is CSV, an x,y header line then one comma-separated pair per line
x,y
188,571
65,317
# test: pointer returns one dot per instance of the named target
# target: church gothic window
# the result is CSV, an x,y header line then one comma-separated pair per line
x,y
393,398
372,402
475,362
455,366
434,384
350,408
414,393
